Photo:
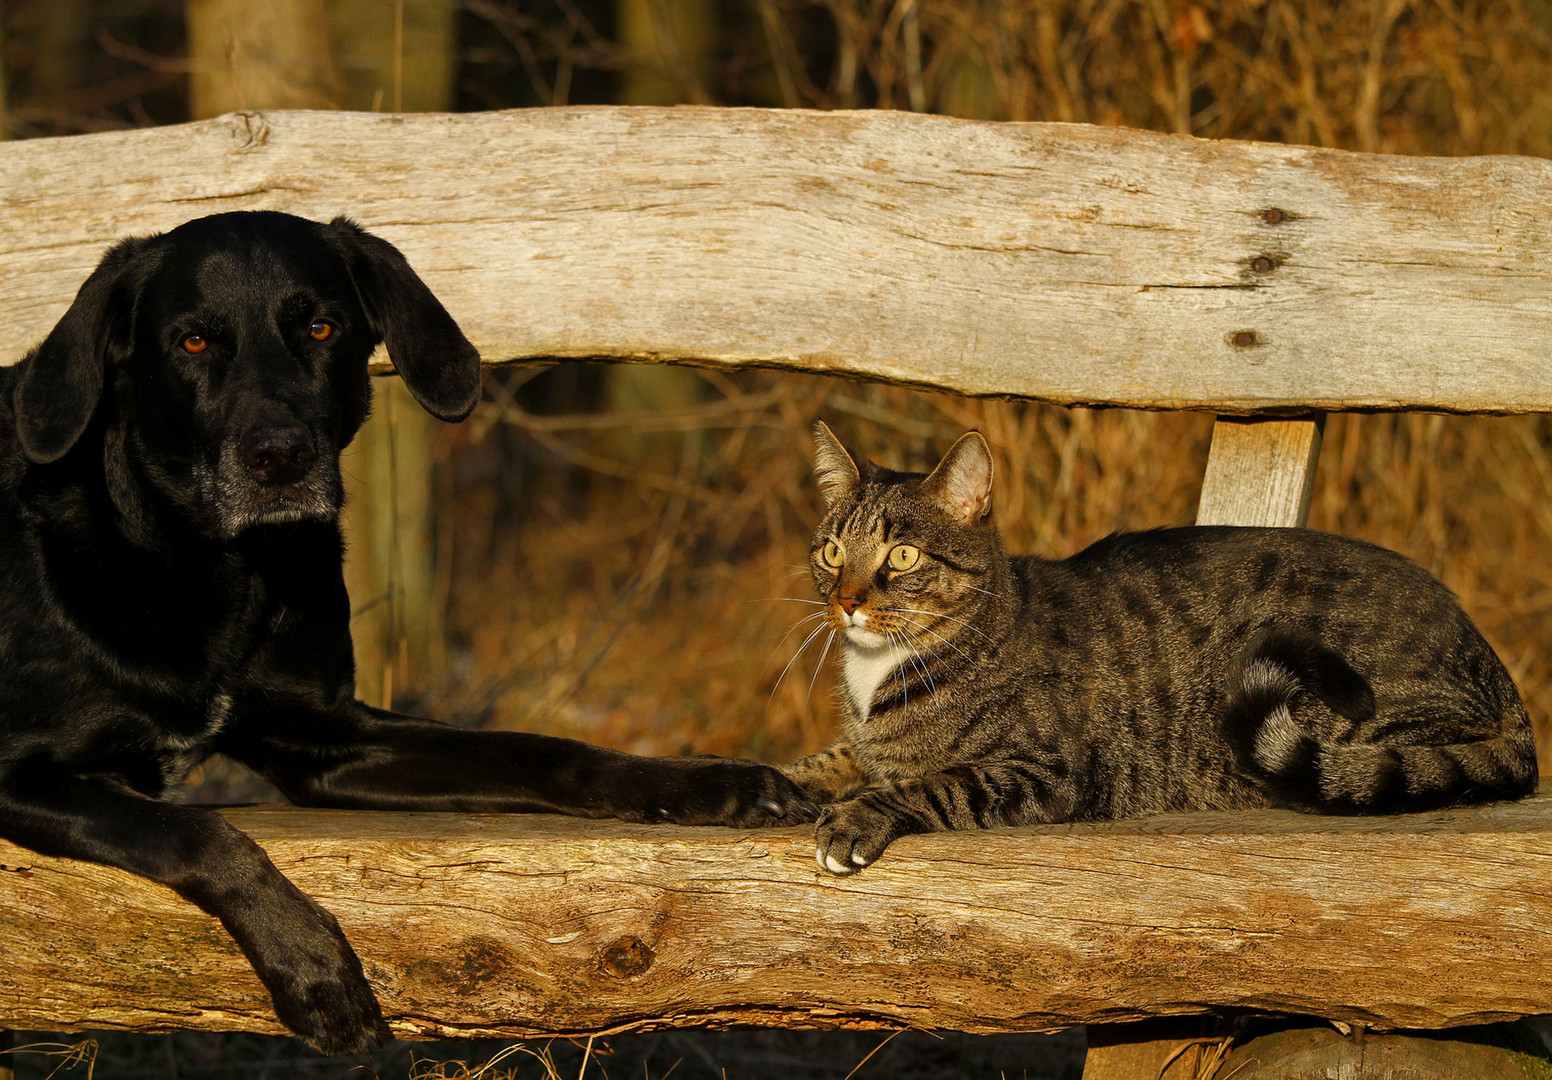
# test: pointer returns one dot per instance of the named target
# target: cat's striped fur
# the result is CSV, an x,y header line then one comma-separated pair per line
x,y
1195,668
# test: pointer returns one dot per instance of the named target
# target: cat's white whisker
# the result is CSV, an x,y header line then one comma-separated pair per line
x,y
819,667
812,635
934,633
794,627
905,693
939,615
920,664
789,599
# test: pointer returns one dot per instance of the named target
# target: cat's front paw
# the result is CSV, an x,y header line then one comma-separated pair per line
x,y
853,834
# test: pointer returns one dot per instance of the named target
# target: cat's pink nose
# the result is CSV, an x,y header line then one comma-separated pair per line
x,y
850,604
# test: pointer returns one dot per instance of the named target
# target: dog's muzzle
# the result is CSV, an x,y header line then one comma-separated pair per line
x,y
278,456
277,472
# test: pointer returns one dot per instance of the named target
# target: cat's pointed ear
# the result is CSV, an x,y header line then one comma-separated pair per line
x,y
836,469
962,482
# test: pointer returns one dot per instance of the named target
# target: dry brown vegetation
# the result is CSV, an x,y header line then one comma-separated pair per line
x,y
617,589
607,574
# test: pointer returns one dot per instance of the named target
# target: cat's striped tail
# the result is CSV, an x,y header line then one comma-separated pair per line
x,y
1279,676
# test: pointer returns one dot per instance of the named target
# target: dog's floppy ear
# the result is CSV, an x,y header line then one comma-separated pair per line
x,y
61,381
437,363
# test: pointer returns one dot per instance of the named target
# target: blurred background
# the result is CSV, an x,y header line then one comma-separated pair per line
x,y
597,551
602,551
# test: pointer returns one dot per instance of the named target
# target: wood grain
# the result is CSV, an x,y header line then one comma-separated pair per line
x,y
521,925
1060,262
1260,472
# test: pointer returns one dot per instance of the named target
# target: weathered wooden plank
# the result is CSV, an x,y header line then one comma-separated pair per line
x,y
519,925
1066,263
1260,472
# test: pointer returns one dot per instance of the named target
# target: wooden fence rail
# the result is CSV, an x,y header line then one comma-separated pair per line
x,y
525,925
1060,262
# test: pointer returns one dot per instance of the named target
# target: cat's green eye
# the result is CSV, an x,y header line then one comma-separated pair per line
x,y
903,557
833,556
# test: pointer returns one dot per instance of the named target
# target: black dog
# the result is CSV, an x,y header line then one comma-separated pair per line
x,y
170,588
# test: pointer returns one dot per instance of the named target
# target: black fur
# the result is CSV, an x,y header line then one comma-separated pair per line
x,y
170,588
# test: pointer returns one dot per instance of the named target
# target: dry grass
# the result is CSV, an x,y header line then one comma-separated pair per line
x,y
1393,76
641,612
58,1057
665,594
728,1055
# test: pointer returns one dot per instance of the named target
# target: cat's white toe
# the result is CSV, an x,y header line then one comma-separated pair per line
x,y
830,864
858,860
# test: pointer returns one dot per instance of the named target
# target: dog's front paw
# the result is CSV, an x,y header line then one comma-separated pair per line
x,y
853,834
722,791
320,991
335,1016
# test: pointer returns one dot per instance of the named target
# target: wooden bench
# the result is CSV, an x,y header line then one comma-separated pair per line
x,y
1061,263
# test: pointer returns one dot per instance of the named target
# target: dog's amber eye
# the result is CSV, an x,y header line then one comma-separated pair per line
x,y
321,330
194,344
903,557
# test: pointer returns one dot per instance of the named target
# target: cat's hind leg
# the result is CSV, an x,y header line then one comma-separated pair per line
x,y
1302,725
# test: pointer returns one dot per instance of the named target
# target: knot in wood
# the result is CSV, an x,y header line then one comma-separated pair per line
x,y
1273,216
249,130
627,958
1261,264
1243,338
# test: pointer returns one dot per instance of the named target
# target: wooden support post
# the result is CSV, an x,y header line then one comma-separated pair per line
x,y
1172,1048
390,567
390,562
1260,472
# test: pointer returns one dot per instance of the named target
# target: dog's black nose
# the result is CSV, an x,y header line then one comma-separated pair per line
x,y
278,455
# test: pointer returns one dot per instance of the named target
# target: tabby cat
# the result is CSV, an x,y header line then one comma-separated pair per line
x,y
1178,669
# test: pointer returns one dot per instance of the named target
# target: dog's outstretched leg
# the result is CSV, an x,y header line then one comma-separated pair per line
x,y
310,970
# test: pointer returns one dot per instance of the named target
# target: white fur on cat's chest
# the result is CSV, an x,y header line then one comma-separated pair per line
x,y
862,670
